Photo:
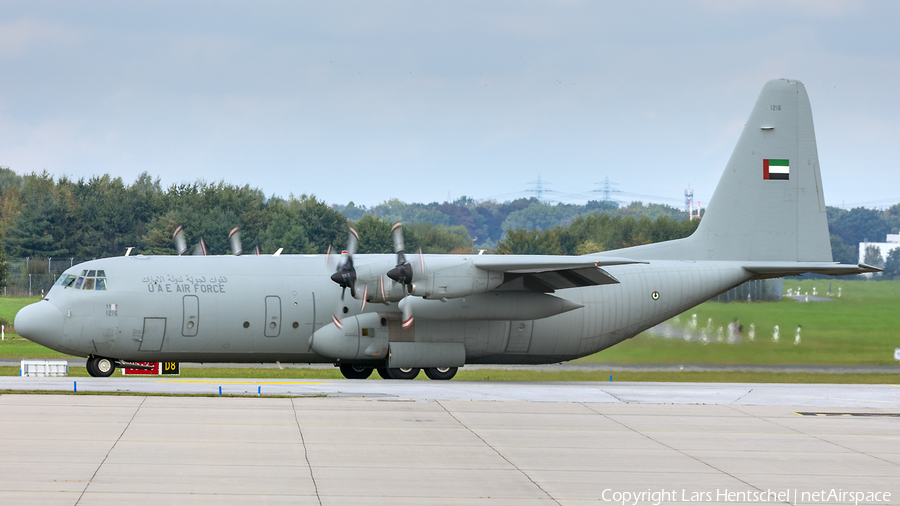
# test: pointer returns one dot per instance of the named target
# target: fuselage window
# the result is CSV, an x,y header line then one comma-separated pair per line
x,y
101,274
89,284
101,284
79,283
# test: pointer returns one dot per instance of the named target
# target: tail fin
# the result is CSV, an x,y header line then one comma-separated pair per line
x,y
769,204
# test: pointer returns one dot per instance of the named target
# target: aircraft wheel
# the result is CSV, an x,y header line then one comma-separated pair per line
x,y
441,373
100,367
382,371
355,372
89,365
402,373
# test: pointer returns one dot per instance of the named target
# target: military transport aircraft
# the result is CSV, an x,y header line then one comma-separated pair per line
x,y
439,312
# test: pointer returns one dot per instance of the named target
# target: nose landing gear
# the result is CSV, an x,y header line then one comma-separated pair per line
x,y
100,367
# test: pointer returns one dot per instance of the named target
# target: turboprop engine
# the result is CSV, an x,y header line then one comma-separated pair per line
x,y
376,336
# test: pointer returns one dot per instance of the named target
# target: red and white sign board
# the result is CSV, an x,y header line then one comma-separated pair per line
x,y
159,368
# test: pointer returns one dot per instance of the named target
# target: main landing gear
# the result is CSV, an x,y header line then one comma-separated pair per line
x,y
351,371
100,367
355,372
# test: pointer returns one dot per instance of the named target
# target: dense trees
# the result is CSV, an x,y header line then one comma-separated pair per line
x,y
44,217
593,233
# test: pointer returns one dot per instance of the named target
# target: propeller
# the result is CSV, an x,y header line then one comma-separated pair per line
x,y
180,243
403,273
235,239
345,275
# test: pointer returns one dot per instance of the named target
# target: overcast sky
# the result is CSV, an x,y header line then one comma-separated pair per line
x,y
367,101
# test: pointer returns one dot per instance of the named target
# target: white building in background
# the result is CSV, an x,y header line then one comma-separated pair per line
x,y
891,243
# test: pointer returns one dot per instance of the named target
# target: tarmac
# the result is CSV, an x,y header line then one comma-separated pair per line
x,y
341,442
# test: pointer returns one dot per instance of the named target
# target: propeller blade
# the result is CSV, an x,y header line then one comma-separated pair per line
x,y
201,248
180,243
352,241
397,235
328,257
421,261
406,307
257,251
365,296
339,312
235,239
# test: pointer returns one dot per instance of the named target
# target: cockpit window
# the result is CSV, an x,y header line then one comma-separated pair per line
x,y
66,280
86,281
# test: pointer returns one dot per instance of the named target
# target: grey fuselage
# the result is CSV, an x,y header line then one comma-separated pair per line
x,y
265,309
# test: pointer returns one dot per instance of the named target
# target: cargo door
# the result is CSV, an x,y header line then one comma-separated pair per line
x,y
273,316
191,316
519,336
154,332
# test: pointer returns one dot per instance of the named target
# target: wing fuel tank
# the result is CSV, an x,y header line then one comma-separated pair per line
x,y
499,305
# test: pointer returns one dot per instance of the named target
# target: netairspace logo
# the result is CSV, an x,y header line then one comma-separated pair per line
x,y
790,496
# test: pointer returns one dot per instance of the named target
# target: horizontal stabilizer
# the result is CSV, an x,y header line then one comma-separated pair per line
x,y
778,269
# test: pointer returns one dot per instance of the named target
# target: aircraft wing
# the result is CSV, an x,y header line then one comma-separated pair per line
x,y
551,272
778,269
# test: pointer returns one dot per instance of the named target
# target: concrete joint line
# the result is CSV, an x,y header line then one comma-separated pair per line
x,y
111,448
498,453
707,464
312,476
814,437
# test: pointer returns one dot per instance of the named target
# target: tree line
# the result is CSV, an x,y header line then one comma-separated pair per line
x,y
42,216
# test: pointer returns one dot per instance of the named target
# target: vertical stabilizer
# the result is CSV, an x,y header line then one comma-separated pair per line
x,y
768,205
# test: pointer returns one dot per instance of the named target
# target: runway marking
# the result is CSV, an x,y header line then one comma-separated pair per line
x,y
242,382
813,413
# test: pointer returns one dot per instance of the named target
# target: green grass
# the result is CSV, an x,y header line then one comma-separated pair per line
x,y
506,375
862,327
15,346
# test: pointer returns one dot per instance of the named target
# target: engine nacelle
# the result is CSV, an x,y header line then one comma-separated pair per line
x,y
451,276
363,337
497,305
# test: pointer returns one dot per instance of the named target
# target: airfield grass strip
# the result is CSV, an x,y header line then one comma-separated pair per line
x,y
518,375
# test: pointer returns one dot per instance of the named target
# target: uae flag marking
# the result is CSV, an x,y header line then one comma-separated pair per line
x,y
776,169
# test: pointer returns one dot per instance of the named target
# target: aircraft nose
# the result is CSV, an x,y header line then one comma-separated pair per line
x,y
42,323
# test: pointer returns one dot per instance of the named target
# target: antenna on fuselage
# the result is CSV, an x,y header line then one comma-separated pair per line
x,y
128,251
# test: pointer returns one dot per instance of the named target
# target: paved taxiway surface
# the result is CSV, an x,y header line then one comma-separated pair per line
x,y
389,442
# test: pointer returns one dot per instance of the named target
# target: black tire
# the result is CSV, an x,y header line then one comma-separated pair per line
x,y
406,373
382,371
100,367
89,365
441,373
355,372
